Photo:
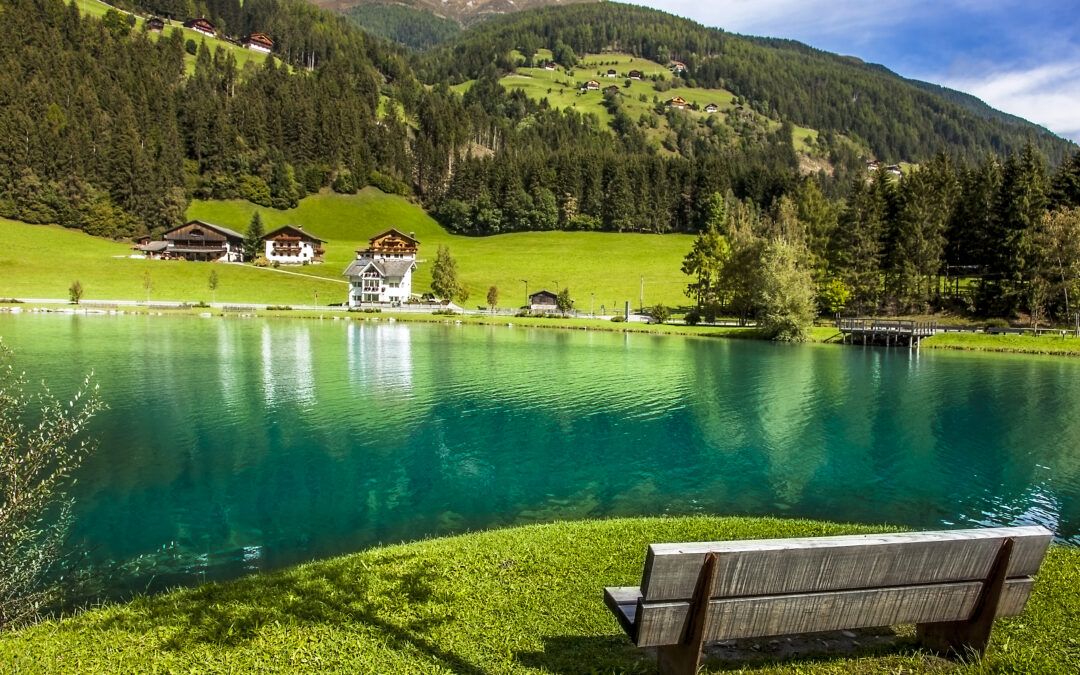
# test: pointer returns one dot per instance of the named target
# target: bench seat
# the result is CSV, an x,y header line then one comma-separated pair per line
x,y
942,581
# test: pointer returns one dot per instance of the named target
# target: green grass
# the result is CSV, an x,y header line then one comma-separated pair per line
x,y
1049,344
521,600
243,56
609,265
41,261
560,88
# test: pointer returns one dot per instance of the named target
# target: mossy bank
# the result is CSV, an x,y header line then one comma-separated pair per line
x,y
521,600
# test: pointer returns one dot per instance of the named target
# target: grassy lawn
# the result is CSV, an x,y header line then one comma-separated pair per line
x,y
41,261
521,600
1051,344
609,265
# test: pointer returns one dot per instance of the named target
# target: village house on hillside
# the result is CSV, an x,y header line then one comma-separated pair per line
x,y
676,102
196,240
201,26
635,74
613,89
544,301
678,67
711,108
592,85
382,273
155,25
611,73
291,245
259,42
550,65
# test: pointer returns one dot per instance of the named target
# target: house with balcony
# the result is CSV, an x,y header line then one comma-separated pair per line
x,y
202,26
199,240
382,272
292,245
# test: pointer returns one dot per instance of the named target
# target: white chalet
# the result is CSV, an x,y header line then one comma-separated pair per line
x,y
382,273
292,245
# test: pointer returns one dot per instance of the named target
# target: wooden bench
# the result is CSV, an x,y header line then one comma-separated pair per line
x,y
951,584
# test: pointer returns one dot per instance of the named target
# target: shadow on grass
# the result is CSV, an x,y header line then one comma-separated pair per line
x,y
395,605
581,655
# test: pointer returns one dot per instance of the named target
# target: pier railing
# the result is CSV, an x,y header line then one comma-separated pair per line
x,y
888,326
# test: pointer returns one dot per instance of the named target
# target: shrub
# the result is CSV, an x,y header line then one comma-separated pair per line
x,y
75,292
618,318
997,322
261,261
344,183
36,465
444,312
279,308
692,319
387,184
661,314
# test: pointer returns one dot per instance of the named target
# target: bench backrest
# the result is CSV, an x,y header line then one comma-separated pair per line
x,y
783,586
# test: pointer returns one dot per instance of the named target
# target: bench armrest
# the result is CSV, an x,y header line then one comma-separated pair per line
x,y
623,603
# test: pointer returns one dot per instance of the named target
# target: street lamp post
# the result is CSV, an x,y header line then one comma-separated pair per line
x,y
592,298
526,282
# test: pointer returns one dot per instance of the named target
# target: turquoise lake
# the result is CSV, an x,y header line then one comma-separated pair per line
x,y
238,445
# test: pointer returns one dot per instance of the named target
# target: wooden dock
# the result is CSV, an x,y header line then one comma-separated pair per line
x,y
886,332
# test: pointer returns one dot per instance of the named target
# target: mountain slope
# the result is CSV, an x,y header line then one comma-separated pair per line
x,y
780,78
463,11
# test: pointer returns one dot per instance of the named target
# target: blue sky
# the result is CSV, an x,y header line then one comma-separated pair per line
x,y
1020,57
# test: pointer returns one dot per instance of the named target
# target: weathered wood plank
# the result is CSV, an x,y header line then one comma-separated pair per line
x,y
785,566
623,603
665,623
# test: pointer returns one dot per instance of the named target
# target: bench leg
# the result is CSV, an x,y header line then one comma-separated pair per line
x,y
685,657
973,635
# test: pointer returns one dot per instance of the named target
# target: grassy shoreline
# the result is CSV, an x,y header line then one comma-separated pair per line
x,y
1042,345
518,600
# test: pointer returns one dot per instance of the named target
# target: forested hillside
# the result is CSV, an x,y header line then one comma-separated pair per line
x,y
808,87
411,26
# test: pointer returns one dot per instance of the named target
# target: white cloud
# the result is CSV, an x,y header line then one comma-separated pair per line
x,y
1048,94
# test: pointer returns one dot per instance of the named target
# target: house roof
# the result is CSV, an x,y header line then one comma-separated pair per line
x,y
398,233
386,268
543,293
153,246
295,228
217,228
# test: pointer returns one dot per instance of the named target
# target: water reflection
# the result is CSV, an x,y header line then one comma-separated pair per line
x,y
232,446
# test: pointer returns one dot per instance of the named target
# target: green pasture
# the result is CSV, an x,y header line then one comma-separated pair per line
x,y
41,261
243,56
561,89
601,268
519,600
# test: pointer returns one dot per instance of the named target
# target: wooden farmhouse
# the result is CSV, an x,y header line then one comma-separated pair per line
x,y
155,25
550,65
201,26
635,74
711,108
676,102
678,67
613,89
611,73
382,273
592,85
291,245
199,240
259,42
543,301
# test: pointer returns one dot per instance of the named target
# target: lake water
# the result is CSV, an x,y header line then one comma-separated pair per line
x,y
235,445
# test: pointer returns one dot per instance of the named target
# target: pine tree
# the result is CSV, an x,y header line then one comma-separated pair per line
x,y
253,238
